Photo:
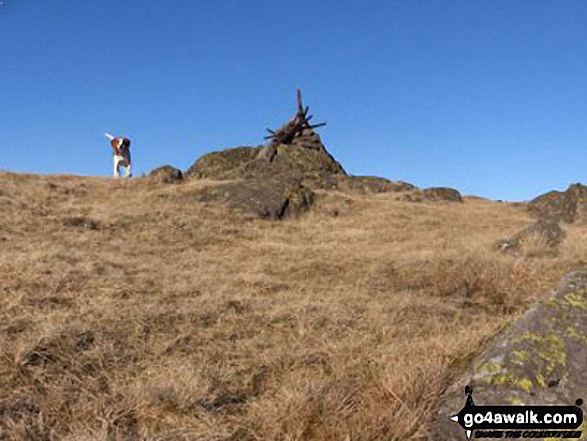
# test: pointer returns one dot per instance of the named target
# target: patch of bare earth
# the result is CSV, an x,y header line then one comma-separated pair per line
x,y
130,311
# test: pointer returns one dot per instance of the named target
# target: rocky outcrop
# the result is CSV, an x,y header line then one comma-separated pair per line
x,y
283,161
433,194
266,198
295,158
567,206
225,164
368,185
539,360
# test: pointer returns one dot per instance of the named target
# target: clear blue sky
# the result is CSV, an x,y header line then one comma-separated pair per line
x,y
489,97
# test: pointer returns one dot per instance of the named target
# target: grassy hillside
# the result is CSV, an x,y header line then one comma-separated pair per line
x,y
130,311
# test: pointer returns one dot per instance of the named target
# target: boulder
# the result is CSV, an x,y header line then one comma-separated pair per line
x,y
312,165
546,229
566,206
167,174
283,161
294,153
433,194
283,172
539,360
265,198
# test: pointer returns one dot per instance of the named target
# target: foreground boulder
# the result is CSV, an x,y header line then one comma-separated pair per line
x,y
547,230
539,360
265,198
567,206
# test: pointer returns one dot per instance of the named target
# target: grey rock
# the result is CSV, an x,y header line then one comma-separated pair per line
x,y
272,199
539,360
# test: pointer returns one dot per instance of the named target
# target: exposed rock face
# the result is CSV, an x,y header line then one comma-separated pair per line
x,y
282,161
226,164
294,152
303,164
294,161
547,229
369,184
167,174
566,206
442,194
433,194
266,198
539,360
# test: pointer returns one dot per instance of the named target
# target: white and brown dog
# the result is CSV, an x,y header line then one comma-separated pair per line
x,y
121,152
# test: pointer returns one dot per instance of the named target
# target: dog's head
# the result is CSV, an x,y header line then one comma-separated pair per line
x,y
120,144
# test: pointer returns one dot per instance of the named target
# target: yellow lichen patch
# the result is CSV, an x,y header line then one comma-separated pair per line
x,y
515,400
547,351
520,357
577,299
553,352
511,378
576,334
550,302
550,348
490,368
525,383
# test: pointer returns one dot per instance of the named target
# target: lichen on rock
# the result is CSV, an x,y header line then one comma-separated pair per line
x,y
540,359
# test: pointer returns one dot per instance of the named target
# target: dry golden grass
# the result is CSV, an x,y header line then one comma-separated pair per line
x,y
128,311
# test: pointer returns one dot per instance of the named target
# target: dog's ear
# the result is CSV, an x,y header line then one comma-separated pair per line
x,y
126,142
114,144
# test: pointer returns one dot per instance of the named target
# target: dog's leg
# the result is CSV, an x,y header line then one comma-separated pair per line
x,y
116,169
128,174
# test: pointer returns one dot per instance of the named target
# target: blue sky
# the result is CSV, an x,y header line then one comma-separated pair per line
x,y
489,97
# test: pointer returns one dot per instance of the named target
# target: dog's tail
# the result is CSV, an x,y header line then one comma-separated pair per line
x,y
109,136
